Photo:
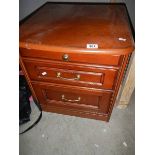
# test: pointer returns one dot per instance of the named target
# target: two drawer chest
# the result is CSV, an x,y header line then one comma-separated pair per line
x,y
74,56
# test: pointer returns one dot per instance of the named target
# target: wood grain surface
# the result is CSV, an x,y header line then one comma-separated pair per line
x,y
74,26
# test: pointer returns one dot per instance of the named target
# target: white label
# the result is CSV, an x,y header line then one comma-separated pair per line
x,y
92,45
44,73
122,39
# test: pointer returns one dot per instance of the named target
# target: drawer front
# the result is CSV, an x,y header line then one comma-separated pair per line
x,y
73,97
88,58
96,77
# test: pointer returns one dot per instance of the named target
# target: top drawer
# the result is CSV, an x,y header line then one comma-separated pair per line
x,y
89,58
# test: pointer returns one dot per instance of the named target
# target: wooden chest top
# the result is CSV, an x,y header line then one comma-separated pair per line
x,y
74,26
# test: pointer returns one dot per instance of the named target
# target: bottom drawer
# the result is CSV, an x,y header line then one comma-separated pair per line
x,y
73,97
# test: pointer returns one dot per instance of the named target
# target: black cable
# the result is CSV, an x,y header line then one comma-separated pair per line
x,y
36,122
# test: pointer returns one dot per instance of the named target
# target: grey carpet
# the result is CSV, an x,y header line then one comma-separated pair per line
x,y
58,134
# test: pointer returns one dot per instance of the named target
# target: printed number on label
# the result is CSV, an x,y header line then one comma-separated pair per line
x,y
92,45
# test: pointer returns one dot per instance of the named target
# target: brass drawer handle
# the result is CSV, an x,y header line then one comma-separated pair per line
x,y
76,78
68,100
65,57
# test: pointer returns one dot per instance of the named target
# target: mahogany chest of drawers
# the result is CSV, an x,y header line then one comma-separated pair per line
x,y
74,57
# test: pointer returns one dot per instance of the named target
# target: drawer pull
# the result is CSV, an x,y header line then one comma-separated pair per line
x,y
65,57
76,78
44,73
64,99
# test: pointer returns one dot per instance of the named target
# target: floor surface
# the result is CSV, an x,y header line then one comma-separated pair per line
x,y
58,134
